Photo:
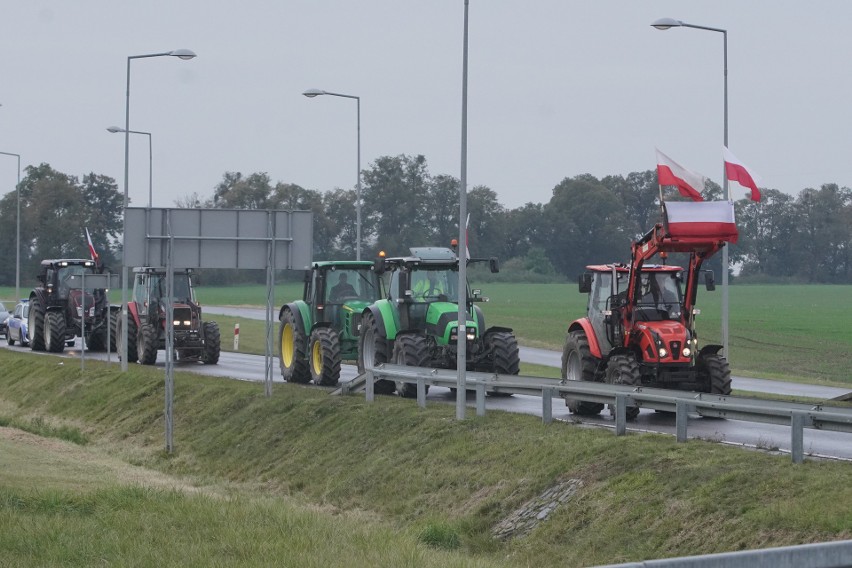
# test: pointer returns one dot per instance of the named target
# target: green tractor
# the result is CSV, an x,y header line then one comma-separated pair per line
x,y
320,330
417,324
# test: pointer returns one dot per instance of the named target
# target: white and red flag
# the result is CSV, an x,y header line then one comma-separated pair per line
x,y
466,244
736,171
689,183
92,250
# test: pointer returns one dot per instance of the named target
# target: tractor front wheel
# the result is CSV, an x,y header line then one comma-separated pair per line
x,y
212,343
54,332
413,351
716,373
372,351
291,350
505,356
325,357
624,370
35,325
146,344
96,340
578,364
132,332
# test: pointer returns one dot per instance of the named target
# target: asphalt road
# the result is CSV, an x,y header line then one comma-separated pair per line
x,y
766,436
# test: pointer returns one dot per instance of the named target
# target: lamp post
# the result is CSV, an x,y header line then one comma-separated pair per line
x,y
665,24
180,54
116,129
311,93
17,230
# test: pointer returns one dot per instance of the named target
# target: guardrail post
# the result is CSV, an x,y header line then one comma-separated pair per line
x,y
480,399
369,389
797,442
547,405
681,419
421,392
620,414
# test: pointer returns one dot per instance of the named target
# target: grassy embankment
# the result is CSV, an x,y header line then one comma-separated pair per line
x,y
792,332
305,479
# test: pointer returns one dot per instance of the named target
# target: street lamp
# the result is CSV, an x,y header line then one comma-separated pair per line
x,y
17,230
180,54
117,129
311,93
665,24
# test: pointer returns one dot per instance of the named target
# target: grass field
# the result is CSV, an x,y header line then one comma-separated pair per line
x,y
790,332
305,479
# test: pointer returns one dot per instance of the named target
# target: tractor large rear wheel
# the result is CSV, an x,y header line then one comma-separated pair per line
x,y
624,370
35,325
146,344
132,332
96,340
715,371
292,346
578,364
325,357
212,343
54,332
372,351
413,351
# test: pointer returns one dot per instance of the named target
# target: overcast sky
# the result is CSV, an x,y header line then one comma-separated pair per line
x,y
557,88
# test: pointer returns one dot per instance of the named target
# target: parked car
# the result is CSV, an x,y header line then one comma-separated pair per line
x,y
17,324
4,315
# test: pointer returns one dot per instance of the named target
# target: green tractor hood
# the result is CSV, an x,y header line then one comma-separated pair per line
x,y
442,322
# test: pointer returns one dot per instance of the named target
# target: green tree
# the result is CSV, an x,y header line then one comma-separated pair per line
x,y
586,225
396,207
765,245
486,231
237,192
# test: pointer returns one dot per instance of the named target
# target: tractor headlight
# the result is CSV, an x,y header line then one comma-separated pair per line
x,y
663,353
471,334
687,351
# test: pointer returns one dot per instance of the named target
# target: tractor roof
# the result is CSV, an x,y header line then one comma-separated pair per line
x,y
624,268
68,262
159,270
426,256
352,264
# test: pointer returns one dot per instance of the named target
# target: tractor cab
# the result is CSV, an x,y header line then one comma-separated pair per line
x,y
336,290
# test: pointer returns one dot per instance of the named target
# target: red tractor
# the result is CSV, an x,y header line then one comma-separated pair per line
x,y
640,326
194,339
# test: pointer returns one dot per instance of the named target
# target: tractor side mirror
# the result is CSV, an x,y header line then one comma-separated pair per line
x,y
379,266
306,277
709,280
494,265
585,282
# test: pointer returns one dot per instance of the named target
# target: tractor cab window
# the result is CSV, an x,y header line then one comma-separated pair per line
x,y
65,276
659,296
601,300
434,285
344,285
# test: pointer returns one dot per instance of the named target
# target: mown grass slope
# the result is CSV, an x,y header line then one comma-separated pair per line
x,y
335,473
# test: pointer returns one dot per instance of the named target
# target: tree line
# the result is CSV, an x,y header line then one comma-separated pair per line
x,y
783,238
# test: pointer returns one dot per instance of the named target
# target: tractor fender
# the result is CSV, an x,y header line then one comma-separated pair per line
x,y
709,350
133,312
479,317
497,328
383,313
584,325
38,294
303,321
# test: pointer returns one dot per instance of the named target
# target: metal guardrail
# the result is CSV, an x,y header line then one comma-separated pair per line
x,y
820,555
796,415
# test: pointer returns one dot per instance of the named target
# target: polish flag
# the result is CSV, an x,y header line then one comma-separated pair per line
x,y
689,183
466,245
702,222
91,245
736,171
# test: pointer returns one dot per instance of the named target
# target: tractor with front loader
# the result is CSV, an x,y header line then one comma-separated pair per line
x,y
640,324
319,331
417,324
147,316
60,310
